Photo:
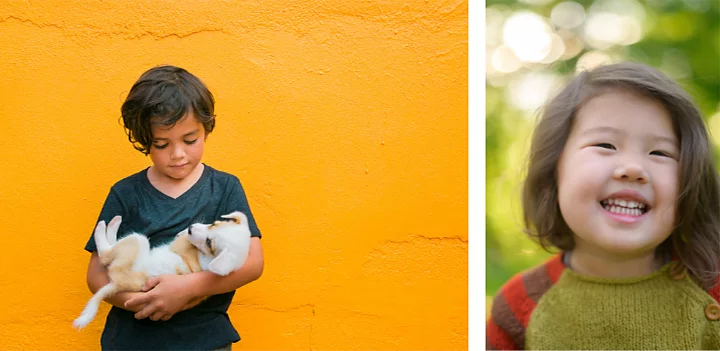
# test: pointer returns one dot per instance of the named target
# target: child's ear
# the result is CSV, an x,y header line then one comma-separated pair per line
x,y
224,263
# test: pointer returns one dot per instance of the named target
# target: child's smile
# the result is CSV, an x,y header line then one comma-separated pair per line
x,y
626,206
618,177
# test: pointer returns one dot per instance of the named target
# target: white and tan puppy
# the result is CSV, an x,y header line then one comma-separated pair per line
x,y
221,248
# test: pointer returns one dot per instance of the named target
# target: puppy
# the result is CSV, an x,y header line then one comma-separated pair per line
x,y
221,248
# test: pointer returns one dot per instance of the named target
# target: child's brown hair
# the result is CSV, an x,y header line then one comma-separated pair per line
x,y
164,95
696,238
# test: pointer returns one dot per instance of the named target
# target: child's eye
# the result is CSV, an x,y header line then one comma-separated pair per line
x,y
160,146
661,153
190,142
605,146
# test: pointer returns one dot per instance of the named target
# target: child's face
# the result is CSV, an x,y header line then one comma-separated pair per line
x,y
176,151
618,176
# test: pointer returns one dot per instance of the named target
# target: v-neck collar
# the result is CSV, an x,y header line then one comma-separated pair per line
x,y
166,197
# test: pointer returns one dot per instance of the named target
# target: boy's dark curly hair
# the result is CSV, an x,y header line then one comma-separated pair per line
x,y
164,95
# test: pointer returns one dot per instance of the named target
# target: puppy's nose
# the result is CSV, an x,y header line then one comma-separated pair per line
x,y
190,230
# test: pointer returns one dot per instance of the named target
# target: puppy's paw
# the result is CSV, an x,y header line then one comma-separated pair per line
x,y
100,226
223,264
223,271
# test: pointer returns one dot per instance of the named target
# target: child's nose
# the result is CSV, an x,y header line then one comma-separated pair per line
x,y
632,172
178,152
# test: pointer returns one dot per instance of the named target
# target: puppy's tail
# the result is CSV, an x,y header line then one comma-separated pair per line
x,y
91,309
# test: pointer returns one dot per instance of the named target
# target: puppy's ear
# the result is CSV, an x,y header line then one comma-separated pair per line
x,y
237,217
224,263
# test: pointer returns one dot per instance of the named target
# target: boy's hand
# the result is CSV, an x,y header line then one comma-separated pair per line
x,y
165,296
127,296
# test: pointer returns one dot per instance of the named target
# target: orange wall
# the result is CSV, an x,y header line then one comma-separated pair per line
x,y
346,121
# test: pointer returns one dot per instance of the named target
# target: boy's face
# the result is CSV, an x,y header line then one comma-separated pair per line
x,y
176,151
618,176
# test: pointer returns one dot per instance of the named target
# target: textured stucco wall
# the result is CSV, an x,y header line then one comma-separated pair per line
x,y
345,120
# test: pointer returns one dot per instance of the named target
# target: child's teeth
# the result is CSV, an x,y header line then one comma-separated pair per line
x,y
629,204
624,210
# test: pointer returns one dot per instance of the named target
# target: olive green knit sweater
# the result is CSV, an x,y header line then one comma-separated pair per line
x,y
663,310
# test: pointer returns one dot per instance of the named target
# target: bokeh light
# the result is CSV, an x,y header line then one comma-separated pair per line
x,y
528,36
531,90
503,60
592,59
567,15
522,40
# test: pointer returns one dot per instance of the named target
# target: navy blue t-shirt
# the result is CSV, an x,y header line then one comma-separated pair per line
x,y
146,210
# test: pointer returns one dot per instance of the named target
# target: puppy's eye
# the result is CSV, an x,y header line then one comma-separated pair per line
x,y
208,242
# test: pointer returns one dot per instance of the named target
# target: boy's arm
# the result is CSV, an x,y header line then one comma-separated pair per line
x,y
97,277
169,294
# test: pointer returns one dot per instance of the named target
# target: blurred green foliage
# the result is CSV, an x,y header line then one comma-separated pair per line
x,y
680,37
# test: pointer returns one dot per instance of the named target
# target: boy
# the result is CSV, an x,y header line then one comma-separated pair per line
x,y
168,115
